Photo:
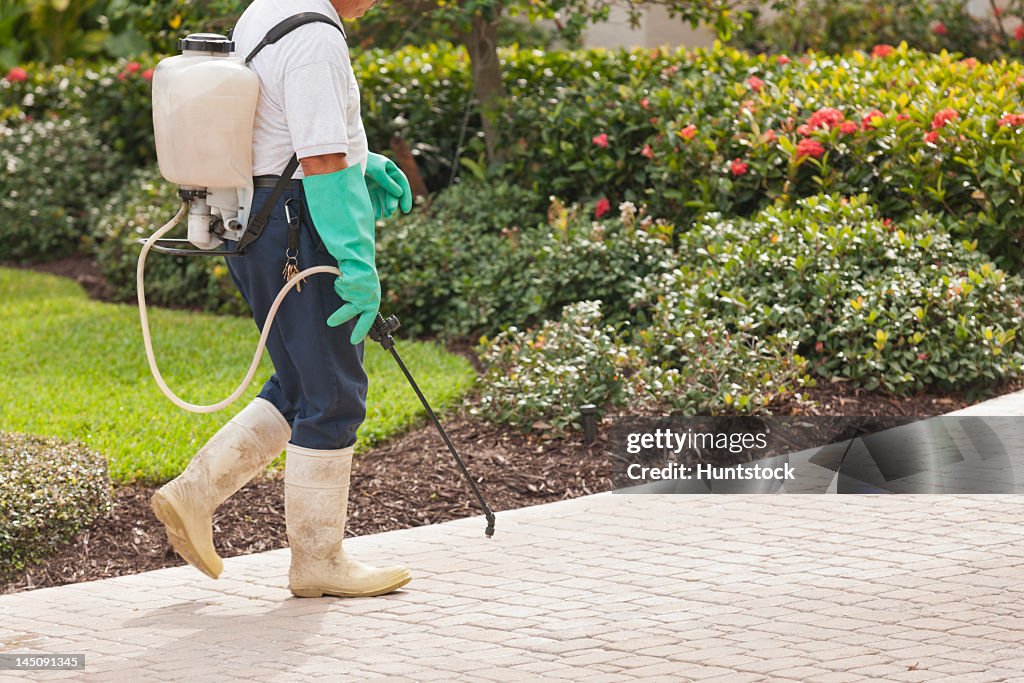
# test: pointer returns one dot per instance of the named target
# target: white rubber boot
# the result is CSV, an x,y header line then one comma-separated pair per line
x,y
316,487
235,454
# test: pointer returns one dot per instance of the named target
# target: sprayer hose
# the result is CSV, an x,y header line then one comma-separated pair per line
x,y
260,347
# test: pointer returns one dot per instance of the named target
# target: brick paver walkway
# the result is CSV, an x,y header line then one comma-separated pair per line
x,y
603,588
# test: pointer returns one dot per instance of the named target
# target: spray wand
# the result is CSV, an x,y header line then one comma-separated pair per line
x,y
381,333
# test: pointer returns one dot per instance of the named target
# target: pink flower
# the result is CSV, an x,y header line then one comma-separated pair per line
x,y
770,137
848,128
123,75
819,346
755,83
645,103
647,152
783,60
132,67
148,74
943,117
1012,120
882,50
971,63
872,119
932,137
999,11
600,140
738,168
688,133
1019,33
902,117
940,29
809,148
922,356
602,207
17,75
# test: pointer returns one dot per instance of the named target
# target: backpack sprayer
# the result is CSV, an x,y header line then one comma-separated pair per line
x,y
204,107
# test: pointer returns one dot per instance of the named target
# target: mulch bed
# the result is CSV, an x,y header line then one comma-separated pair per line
x,y
411,481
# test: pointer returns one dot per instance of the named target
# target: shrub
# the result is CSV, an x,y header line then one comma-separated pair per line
x,y
54,170
49,491
539,378
844,25
900,306
114,98
142,205
479,261
547,373
723,131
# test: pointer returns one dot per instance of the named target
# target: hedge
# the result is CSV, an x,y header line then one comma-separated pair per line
x,y
690,132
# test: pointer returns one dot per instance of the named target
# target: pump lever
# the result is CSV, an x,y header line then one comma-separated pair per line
x,y
381,333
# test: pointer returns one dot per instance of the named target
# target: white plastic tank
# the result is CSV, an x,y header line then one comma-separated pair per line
x,y
204,104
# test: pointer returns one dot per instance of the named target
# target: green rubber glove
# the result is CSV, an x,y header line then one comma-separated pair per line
x,y
387,185
339,204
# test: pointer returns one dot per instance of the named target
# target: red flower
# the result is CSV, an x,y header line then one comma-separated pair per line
x,y
825,118
647,152
922,356
872,119
940,29
882,50
755,83
848,127
600,140
804,129
688,133
819,346
17,75
1019,33
123,75
783,60
932,137
902,117
809,148
943,117
132,67
738,168
999,11
770,136
602,207
887,222
1012,120
971,63
148,74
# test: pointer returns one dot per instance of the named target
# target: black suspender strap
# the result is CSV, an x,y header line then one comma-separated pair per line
x,y
259,221
290,24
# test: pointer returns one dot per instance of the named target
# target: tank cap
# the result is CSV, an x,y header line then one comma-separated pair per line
x,y
206,42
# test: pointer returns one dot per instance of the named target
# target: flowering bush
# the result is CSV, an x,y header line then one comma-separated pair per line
x,y
49,491
113,97
142,205
51,172
844,25
916,132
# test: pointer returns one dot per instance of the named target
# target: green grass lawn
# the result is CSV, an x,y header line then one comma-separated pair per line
x,y
75,368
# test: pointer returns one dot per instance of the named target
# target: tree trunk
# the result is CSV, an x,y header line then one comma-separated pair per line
x,y
482,44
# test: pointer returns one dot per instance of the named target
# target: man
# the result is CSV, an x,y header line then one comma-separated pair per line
x,y
313,404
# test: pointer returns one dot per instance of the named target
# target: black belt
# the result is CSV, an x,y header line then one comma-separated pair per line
x,y
269,181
